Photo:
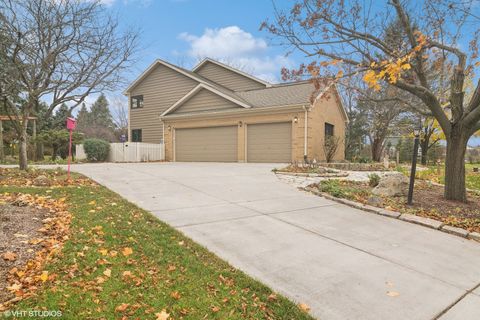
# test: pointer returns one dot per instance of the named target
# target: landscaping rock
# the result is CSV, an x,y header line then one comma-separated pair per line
x,y
421,220
474,236
392,186
375,201
41,181
456,231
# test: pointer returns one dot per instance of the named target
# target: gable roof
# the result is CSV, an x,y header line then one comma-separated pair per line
x,y
195,90
225,66
294,93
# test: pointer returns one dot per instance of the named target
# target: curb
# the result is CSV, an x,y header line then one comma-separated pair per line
x,y
301,174
426,222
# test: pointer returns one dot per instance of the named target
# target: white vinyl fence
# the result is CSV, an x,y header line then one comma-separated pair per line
x,y
130,152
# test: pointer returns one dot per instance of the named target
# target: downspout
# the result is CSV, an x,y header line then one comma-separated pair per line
x,y
305,140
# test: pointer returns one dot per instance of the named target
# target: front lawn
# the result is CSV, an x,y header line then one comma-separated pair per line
x,y
428,202
120,262
437,174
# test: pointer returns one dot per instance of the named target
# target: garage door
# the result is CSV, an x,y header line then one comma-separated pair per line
x,y
206,144
269,142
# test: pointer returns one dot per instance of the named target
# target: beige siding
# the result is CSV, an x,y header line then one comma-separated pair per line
x,y
206,144
205,100
269,142
160,89
228,78
328,109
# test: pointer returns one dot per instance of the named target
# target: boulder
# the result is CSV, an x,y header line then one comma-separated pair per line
x,y
41,181
392,186
375,201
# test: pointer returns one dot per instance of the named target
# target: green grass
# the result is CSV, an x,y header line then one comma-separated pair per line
x,y
436,174
342,189
163,262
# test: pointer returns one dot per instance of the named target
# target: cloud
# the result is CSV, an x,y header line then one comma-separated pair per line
x,y
238,48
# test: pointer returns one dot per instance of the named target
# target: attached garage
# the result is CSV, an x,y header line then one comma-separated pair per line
x,y
214,144
269,142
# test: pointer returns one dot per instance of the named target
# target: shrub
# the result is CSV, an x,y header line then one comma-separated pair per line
x,y
96,149
373,180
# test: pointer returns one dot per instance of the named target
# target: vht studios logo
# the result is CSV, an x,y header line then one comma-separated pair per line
x,y
32,313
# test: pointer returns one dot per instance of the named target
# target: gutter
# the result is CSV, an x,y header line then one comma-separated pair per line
x,y
242,111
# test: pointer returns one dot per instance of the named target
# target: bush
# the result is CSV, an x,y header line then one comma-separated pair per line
x,y
96,149
373,180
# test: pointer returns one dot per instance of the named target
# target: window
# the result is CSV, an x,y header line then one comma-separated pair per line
x,y
136,135
136,102
329,129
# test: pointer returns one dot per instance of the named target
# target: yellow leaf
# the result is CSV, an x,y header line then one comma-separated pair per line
x,y
44,276
92,203
127,251
104,252
107,272
477,64
304,307
163,315
339,74
393,294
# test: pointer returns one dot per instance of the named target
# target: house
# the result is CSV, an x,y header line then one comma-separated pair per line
x,y
217,113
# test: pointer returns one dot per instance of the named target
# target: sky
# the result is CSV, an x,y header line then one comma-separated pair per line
x,y
185,31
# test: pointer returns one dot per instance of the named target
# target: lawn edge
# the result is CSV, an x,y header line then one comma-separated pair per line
x,y
406,217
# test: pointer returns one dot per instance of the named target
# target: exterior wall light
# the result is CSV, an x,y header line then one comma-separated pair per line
x,y
169,128
240,124
295,120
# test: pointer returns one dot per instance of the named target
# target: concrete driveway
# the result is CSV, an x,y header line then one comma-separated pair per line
x,y
342,262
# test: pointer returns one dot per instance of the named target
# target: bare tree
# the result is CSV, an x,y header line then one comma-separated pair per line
x,y
59,52
330,147
119,108
430,33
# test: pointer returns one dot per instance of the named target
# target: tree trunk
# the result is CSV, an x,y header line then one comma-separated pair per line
x,y
377,148
39,155
455,167
22,151
424,146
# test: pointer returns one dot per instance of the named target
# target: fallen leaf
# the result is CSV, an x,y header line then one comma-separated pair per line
x,y
215,309
127,251
92,203
14,287
181,243
9,256
304,307
162,315
107,272
272,297
392,294
104,252
122,307
171,268
175,295
44,276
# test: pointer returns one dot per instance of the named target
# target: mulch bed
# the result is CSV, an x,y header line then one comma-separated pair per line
x,y
19,233
34,229
428,202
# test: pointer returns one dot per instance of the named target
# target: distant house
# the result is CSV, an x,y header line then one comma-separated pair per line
x,y
217,113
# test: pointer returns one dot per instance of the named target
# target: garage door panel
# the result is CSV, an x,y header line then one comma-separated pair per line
x,y
269,142
206,144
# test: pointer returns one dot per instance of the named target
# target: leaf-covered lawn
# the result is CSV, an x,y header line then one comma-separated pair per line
x,y
437,174
120,262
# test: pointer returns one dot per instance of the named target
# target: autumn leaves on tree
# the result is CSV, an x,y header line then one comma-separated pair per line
x,y
427,37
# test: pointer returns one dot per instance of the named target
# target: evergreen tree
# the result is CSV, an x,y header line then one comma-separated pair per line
x,y
100,114
83,118
60,117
